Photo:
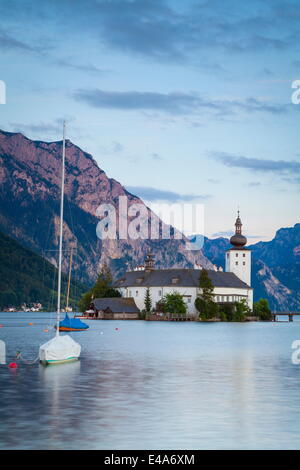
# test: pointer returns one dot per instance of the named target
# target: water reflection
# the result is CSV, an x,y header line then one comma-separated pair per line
x,y
156,386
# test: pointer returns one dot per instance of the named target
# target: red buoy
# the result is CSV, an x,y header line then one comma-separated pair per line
x,y
116,329
13,365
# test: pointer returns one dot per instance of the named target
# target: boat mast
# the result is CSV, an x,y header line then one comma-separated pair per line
x,y
69,280
61,230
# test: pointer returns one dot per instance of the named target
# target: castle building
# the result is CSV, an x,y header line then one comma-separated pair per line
x,y
232,285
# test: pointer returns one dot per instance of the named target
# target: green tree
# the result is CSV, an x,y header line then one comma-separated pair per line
x,y
262,310
102,288
227,312
174,303
204,303
148,301
241,310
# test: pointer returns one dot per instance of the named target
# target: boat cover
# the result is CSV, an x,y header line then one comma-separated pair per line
x,y
59,348
75,323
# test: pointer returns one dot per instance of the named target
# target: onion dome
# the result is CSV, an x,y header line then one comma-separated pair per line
x,y
238,240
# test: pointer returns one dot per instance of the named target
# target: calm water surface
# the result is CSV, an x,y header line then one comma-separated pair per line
x,y
153,385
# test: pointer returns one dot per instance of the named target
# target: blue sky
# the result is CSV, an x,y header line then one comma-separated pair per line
x,y
178,100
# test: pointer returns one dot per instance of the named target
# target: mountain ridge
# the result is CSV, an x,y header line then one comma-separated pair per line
x,y
30,172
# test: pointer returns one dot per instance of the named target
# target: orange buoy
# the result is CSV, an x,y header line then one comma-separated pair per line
x,y
46,331
30,323
13,365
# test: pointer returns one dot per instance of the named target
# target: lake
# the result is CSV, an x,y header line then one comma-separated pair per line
x,y
152,385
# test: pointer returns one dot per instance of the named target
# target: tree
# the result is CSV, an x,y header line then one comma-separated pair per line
x,y
174,303
204,303
102,288
241,310
262,310
148,301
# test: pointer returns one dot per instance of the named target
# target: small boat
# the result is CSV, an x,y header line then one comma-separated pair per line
x,y
72,324
60,349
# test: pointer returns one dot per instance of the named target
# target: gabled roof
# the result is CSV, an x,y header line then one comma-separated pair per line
x,y
178,277
116,304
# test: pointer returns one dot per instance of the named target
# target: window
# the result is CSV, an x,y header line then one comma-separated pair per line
x,y
236,255
244,263
136,293
175,280
244,255
129,293
227,298
159,293
236,263
189,300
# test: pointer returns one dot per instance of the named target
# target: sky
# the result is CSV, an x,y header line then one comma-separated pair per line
x,y
181,101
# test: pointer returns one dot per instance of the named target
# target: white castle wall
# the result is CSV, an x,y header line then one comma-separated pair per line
x,y
222,294
239,263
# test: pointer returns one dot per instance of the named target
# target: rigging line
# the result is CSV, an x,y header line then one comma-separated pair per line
x,y
75,240
19,356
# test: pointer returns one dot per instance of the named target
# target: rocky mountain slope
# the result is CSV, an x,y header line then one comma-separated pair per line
x,y
275,267
29,209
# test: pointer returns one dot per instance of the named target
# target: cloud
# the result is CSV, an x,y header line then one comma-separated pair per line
x,y
175,103
90,68
52,129
257,164
254,184
227,233
7,42
40,128
154,194
156,156
113,148
165,30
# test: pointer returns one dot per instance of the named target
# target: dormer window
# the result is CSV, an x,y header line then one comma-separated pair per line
x,y
175,280
140,280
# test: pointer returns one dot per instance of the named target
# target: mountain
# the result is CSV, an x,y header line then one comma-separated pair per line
x,y
30,173
275,267
27,277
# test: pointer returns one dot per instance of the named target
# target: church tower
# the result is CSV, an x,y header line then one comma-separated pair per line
x,y
238,258
149,262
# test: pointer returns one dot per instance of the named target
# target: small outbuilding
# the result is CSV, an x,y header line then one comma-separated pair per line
x,y
113,308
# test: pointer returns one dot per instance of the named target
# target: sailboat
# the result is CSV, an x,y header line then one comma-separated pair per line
x,y
60,348
71,324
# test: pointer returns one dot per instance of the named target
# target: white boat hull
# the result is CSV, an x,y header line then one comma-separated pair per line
x,y
58,350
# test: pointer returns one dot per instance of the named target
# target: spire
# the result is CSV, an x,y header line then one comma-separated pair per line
x,y
238,240
238,225
149,262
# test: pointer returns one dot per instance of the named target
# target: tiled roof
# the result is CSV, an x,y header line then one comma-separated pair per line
x,y
178,277
116,304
